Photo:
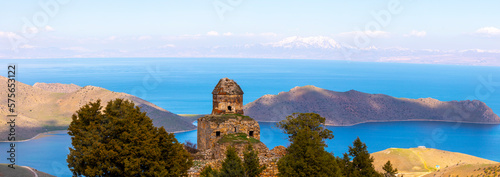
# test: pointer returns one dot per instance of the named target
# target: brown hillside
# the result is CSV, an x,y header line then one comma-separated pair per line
x,y
57,87
469,170
420,161
40,110
20,171
352,107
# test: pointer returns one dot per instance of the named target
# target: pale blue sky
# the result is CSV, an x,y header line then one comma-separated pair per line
x,y
85,24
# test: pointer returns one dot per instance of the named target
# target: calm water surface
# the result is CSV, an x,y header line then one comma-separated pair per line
x,y
184,85
48,154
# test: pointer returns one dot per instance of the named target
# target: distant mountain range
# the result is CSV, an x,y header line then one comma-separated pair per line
x,y
353,107
293,47
45,107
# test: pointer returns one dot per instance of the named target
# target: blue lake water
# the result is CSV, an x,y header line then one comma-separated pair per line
x,y
184,85
48,154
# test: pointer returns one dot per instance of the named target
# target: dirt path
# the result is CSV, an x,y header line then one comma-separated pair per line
x,y
422,160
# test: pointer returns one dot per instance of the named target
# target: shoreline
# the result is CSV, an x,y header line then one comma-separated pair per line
x,y
416,120
39,135
183,131
45,134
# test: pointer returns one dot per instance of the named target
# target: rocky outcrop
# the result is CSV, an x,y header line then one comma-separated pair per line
x,y
352,107
40,110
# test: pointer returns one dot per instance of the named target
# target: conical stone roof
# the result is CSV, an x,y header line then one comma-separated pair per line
x,y
227,86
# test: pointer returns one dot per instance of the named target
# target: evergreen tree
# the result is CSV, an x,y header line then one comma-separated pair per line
x,y
346,166
389,171
298,121
122,141
208,171
306,155
251,163
361,161
231,166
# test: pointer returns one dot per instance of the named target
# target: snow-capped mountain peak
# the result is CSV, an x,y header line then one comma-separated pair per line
x,y
306,42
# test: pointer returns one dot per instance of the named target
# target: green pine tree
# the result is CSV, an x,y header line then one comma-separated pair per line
x,y
345,165
208,171
232,165
362,162
122,141
389,171
251,163
306,155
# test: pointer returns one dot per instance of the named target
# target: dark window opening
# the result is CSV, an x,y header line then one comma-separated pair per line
x,y
250,133
229,108
234,129
217,133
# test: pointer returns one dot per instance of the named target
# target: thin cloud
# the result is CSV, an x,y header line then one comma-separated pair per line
x,y
488,31
76,49
141,38
212,33
374,34
167,46
416,33
26,46
228,34
269,34
8,34
49,28
247,34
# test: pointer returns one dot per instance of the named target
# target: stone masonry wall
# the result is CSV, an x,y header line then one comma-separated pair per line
x,y
211,128
222,103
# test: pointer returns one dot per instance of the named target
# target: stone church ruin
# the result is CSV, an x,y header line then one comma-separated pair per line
x,y
227,117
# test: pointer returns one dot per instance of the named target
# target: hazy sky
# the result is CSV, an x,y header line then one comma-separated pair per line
x,y
91,25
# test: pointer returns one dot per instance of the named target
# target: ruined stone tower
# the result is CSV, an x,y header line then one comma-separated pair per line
x,y
227,127
227,117
227,97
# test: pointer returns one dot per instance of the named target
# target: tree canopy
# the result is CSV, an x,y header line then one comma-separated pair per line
x,y
306,155
299,121
231,166
389,170
362,161
251,163
122,141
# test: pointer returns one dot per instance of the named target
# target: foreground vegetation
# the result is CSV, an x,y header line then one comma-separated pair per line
x,y
306,155
234,166
122,141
